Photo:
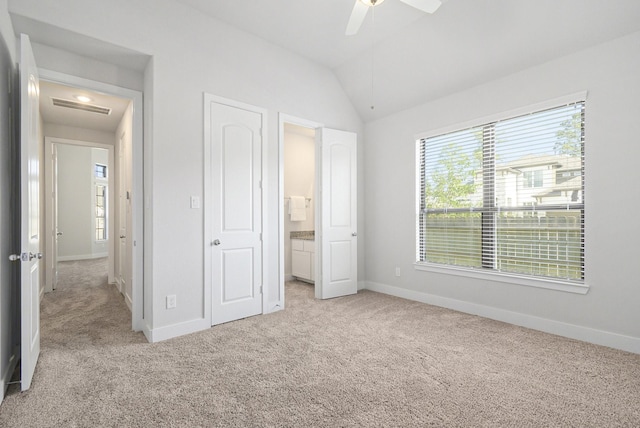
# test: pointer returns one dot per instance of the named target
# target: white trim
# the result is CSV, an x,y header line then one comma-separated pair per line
x,y
282,119
137,202
532,108
586,334
530,281
208,204
127,299
176,330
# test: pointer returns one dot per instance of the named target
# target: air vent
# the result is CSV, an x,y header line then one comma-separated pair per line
x,y
58,102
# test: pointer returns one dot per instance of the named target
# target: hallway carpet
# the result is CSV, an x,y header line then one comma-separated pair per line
x,y
364,360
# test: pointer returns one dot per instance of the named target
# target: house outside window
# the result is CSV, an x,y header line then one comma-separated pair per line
x,y
506,196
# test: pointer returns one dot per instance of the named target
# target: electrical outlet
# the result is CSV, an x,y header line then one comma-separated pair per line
x,y
171,301
195,202
397,271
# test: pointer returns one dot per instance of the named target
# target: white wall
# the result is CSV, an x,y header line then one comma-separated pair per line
x,y
193,54
67,62
608,313
299,170
80,134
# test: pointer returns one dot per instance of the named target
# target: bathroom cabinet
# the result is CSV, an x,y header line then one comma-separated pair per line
x,y
303,259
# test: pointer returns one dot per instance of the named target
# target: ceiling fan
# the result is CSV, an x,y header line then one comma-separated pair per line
x,y
361,8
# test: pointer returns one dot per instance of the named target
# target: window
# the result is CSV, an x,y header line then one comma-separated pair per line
x,y
532,178
506,196
101,212
100,171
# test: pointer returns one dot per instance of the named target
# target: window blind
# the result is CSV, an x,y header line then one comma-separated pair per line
x,y
506,196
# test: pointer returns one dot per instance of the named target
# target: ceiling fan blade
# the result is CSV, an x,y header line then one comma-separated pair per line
x,y
357,16
428,6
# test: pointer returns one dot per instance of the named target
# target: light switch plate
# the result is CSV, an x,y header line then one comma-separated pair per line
x,y
171,301
195,202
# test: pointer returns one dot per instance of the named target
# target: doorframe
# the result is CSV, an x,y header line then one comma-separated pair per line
x,y
137,175
49,179
282,119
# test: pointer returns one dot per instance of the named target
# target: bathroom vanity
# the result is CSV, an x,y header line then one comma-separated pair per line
x,y
303,248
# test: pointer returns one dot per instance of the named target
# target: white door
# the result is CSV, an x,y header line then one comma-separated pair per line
x,y
123,205
236,211
52,231
29,205
337,187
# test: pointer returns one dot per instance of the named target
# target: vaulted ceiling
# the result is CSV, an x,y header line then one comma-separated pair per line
x,y
414,57
405,57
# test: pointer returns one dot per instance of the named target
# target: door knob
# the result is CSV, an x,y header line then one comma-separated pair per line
x,y
59,233
122,236
36,255
216,242
354,234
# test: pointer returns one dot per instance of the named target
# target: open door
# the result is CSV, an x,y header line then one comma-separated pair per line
x,y
337,189
29,205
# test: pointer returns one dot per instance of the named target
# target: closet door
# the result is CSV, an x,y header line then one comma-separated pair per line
x,y
235,210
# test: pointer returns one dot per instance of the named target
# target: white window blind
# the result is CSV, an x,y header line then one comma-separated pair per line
x,y
506,196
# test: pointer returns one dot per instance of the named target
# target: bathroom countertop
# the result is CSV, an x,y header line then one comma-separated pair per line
x,y
307,235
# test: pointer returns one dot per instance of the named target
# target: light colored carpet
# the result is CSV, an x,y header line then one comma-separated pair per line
x,y
364,360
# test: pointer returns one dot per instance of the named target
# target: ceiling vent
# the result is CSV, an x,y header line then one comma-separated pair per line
x,y
59,102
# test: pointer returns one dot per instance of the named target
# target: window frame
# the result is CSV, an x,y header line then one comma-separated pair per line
x,y
573,286
97,196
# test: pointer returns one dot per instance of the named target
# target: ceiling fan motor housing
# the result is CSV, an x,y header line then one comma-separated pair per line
x,y
371,2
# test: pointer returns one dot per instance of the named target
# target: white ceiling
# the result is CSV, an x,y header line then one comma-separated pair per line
x,y
417,57
420,57
79,118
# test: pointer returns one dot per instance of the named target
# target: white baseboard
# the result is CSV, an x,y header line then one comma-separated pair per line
x,y
586,334
82,257
288,277
128,301
176,330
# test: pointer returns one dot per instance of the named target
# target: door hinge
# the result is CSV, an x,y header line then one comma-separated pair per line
x,y
261,236
261,289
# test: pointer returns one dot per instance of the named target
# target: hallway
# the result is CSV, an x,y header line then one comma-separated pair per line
x,y
85,304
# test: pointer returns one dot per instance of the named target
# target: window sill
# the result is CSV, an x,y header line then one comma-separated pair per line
x,y
547,283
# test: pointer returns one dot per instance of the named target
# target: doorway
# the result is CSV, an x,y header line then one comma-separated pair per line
x,y
111,119
79,207
327,254
299,201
